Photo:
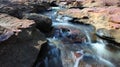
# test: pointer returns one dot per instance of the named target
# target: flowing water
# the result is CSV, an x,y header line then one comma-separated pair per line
x,y
67,51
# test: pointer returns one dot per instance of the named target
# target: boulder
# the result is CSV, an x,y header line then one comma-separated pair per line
x,y
15,9
20,42
69,36
100,17
19,9
43,23
39,7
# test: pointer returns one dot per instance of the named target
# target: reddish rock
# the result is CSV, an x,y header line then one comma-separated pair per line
x,y
115,18
13,25
43,23
69,35
20,42
100,3
100,17
77,55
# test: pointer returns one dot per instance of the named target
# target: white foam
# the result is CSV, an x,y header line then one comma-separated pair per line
x,y
77,61
100,49
56,8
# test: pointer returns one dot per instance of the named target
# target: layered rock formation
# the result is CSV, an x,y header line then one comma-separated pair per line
x,y
43,23
21,30
100,17
18,9
99,3
20,42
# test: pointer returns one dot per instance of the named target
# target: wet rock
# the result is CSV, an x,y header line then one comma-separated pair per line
x,y
110,37
103,32
5,33
79,20
69,37
43,23
49,56
20,42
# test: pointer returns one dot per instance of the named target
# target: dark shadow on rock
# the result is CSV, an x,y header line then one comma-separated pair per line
x,y
79,7
53,4
109,40
43,23
19,9
49,56
40,7
18,51
77,21
22,48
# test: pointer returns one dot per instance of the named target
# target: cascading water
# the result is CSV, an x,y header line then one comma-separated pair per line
x,y
75,52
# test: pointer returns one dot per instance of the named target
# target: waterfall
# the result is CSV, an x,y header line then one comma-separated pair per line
x,y
88,36
77,61
96,50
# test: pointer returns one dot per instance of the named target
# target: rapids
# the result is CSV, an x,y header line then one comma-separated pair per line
x,y
64,53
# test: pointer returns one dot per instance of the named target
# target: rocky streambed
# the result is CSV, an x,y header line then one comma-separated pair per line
x,y
81,45
35,34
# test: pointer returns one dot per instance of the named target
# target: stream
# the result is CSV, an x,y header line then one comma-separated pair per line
x,y
73,45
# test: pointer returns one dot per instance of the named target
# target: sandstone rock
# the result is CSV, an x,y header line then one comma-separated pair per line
x,y
43,23
100,17
115,34
71,12
99,3
20,42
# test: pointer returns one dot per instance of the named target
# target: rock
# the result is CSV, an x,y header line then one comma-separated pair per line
x,y
100,17
99,3
115,35
49,54
20,42
40,7
109,37
5,33
53,4
104,36
71,12
19,9
103,32
92,3
16,10
19,1
43,23
69,36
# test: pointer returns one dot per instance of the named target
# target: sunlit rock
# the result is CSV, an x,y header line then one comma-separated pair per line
x,y
43,23
20,42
